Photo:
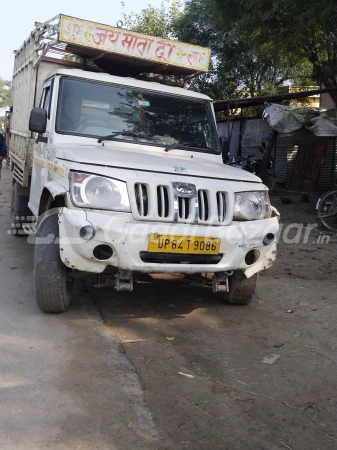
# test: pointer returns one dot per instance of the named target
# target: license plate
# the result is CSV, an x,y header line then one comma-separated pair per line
x,y
162,243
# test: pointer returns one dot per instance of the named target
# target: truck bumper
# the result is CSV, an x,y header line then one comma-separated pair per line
x,y
129,240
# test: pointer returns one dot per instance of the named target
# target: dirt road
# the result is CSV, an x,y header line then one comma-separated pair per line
x,y
64,383
77,386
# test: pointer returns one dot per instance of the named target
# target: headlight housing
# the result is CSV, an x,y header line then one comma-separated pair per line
x,y
98,192
252,206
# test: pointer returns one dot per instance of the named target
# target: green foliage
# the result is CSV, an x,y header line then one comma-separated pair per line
x,y
303,33
238,69
5,93
252,44
152,21
76,59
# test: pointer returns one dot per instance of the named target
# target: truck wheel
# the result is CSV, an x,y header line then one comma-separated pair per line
x,y
20,213
50,274
241,288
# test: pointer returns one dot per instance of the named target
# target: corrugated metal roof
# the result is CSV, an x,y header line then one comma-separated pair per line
x,y
222,105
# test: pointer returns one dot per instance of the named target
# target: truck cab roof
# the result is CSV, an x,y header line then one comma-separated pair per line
x,y
129,82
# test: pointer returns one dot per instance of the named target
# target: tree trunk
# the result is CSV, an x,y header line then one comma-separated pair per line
x,y
325,74
328,83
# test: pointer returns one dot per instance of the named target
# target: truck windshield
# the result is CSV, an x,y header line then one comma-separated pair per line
x,y
93,109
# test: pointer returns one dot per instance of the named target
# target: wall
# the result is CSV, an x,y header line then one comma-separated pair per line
x,y
247,135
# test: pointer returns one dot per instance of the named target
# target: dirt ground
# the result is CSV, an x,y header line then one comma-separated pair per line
x,y
234,401
70,380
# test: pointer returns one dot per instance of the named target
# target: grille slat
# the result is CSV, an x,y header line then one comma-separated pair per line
x,y
221,201
162,209
203,205
163,202
141,200
183,208
141,193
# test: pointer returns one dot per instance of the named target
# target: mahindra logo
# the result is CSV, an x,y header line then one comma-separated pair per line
x,y
185,190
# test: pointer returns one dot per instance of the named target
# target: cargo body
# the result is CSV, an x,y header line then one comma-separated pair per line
x,y
26,93
124,168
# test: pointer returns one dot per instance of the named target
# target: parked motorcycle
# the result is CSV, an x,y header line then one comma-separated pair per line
x,y
251,163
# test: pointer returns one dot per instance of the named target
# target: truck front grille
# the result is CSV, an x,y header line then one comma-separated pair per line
x,y
179,202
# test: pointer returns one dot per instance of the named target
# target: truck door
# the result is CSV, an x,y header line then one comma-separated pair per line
x,y
41,152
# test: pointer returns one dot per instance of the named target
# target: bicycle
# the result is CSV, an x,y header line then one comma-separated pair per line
x,y
327,210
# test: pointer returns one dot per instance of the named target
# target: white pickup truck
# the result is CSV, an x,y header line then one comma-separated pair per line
x,y
123,175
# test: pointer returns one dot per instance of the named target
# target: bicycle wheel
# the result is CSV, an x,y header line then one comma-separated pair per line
x,y
327,210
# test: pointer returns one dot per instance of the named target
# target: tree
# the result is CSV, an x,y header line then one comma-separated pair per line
x,y
5,93
299,32
240,68
237,70
237,67
155,22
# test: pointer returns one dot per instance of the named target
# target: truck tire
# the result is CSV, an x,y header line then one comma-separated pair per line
x,y
20,212
241,288
50,274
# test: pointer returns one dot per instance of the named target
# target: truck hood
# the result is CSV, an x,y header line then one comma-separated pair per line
x,y
151,161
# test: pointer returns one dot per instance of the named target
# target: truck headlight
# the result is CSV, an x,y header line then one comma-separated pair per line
x,y
98,192
252,206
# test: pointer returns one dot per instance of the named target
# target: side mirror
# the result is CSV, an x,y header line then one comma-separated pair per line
x,y
38,120
224,144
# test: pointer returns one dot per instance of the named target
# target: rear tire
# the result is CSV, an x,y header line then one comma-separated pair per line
x,y
241,288
50,274
20,212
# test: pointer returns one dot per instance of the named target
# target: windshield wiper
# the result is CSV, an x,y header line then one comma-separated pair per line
x,y
186,145
112,136
122,133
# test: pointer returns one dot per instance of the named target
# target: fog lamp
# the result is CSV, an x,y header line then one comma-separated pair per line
x,y
87,232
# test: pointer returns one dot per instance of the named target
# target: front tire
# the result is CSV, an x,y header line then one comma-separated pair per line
x,y
50,274
241,288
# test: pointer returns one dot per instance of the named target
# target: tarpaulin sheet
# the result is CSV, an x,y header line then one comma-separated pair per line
x,y
290,119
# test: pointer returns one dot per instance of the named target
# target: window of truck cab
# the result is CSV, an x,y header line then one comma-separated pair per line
x,y
94,109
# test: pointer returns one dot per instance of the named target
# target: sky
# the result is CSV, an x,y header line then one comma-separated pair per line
x,y
18,18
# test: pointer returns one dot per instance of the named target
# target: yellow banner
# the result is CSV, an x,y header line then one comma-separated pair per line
x,y
149,48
